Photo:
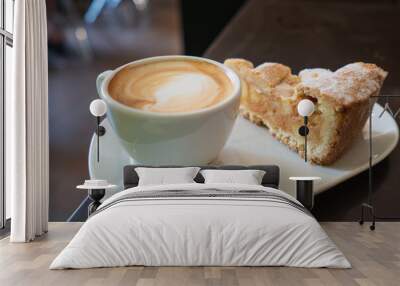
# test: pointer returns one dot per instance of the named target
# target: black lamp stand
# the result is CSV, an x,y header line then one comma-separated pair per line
x,y
303,131
304,193
100,131
369,205
95,195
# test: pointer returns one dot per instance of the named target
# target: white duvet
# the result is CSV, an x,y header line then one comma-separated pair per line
x,y
200,231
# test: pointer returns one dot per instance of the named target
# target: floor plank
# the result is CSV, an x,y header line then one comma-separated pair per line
x,y
375,257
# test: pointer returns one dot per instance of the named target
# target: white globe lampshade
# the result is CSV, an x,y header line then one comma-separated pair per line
x,y
305,107
98,107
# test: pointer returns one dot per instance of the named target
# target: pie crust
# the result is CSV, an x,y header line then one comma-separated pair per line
x,y
270,94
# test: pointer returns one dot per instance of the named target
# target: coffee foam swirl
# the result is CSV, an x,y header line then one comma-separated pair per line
x,y
171,86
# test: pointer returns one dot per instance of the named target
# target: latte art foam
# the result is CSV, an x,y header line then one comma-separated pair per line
x,y
171,86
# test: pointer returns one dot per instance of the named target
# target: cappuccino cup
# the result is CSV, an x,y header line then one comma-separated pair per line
x,y
171,109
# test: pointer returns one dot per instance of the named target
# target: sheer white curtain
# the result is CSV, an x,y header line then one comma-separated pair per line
x,y
27,124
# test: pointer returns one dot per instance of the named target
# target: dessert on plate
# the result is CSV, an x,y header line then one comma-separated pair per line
x,y
270,94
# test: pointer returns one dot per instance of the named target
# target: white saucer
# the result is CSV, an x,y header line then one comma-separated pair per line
x,y
250,144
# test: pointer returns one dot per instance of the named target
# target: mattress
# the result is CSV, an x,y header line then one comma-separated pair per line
x,y
201,225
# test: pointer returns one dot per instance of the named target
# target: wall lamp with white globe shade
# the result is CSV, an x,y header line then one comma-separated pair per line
x,y
98,108
305,108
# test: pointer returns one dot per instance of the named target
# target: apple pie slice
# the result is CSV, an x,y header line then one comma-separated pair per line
x,y
270,94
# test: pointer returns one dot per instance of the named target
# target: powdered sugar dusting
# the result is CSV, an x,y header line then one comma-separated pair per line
x,y
351,83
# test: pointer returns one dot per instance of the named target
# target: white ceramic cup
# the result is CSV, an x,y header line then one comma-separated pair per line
x,y
184,138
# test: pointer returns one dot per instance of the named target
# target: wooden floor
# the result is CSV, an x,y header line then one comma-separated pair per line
x,y
375,257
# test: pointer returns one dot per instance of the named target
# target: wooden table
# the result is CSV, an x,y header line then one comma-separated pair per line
x,y
326,34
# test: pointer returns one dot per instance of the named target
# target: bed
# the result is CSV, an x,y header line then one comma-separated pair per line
x,y
199,224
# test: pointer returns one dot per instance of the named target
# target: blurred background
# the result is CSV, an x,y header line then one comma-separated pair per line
x,y
87,37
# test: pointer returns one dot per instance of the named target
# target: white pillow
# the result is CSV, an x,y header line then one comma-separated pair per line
x,y
164,176
248,177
